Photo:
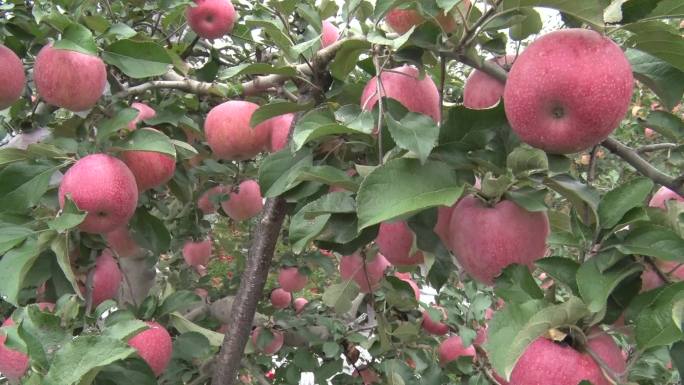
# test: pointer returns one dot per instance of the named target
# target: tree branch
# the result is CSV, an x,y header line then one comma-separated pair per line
x,y
655,147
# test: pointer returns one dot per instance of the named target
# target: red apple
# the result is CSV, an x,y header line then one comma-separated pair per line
x,y
330,34
69,79
246,203
211,19
104,187
483,91
144,112
406,277
396,242
368,277
452,348
13,363
568,91
299,304
663,195
487,239
436,327
280,299
279,127
651,280
122,243
12,77
290,279
405,85
273,346
649,133
197,253
205,202
154,346
106,278
229,133
549,362
401,20
443,221
150,168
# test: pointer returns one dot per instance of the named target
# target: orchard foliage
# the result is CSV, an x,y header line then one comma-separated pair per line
x,y
143,136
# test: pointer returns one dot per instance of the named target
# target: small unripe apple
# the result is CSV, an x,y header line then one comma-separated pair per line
x,y
299,304
406,277
12,77
205,200
275,344
396,242
229,133
197,253
150,168
13,363
122,243
330,34
246,203
69,79
405,85
290,279
368,277
452,348
211,19
106,278
483,91
568,91
280,299
436,327
154,346
487,239
279,128
104,187
663,195
144,112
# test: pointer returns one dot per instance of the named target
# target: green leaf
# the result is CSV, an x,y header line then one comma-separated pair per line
x,y
150,232
662,78
83,356
530,25
528,198
616,203
329,175
584,198
596,283
340,295
14,266
665,123
414,132
183,325
635,10
147,139
125,329
184,150
277,108
516,284
346,58
658,39
69,217
279,171
653,241
303,230
178,301
255,69
78,38
404,186
274,31
332,203
652,312
60,246
527,160
191,346
138,59
668,9
108,127
316,124
23,184
11,236
562,270
590,11
354,117
130,371
10,155
43,335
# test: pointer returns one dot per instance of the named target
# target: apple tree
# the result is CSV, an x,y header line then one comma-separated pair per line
x,y
342,192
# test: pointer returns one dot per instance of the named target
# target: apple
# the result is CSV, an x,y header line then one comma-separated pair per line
x,y
568,91
280,299
12,77
273,346
401,20
197,253
69,79
13,363
150,168
279,128
299,304
452,348
396,242
443,221
106,278
487,239
205,200
649,133
211,19
154,346
483,91
244,203
548,362
122,243
103,186
436,327
651,280
330,34
406,277
290,279
368,277
663,195
144,112
229,134
405,85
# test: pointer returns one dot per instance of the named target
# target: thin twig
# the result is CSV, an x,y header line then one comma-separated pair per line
x,y
655,147
591,173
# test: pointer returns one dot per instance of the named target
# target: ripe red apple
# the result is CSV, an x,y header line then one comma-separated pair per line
x,y
144,112
106,278
452,348
401,20
280,299
229,134
404,85
330,34
663,195
483,91
150,168
275,344
443,222
204,202
154,346
406,277
279,128
299,304
436,327
651,280
568,91
197,253
13,363
12,77
368,278
487,239
246,203
103,186
290,279
211,19
122,243
548,362
396,242
69,79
